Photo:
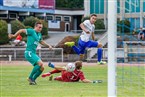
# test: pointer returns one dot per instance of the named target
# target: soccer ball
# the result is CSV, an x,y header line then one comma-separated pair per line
x,y
70,67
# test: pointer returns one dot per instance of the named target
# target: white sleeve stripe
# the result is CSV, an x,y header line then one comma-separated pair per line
x,y
26,31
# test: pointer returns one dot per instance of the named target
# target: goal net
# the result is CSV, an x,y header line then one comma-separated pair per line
x,y
127,71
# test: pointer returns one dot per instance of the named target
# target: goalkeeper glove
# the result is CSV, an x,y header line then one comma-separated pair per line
x,y
97,81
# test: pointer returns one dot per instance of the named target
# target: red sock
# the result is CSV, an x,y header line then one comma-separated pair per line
x,y
55,71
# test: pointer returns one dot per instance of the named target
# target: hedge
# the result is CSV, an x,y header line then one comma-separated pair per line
x,y
3,32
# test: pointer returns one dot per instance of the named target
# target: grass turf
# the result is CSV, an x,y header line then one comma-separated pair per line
x,y
14,84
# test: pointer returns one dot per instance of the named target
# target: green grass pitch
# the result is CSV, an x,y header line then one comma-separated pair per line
x,y
14,84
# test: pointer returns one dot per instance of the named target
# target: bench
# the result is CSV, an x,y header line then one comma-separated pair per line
x,y
4,56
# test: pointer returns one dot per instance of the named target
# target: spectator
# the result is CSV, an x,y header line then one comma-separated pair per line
x,y
141,34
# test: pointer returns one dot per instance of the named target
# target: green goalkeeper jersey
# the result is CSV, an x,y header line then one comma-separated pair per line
x,y
33,39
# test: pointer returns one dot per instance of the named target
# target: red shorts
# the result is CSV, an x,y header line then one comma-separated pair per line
x,y
58,78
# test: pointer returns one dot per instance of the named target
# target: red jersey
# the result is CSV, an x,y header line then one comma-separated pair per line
x,y
72,76
19,37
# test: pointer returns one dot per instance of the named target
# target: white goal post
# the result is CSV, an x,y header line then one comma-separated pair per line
x,y
112,43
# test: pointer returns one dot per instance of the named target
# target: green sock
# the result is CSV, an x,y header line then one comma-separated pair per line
x,y
35,69
37,74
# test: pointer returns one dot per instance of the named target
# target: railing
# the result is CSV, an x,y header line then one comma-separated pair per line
x,y
126,54
79,31
133,50
46,55
119,55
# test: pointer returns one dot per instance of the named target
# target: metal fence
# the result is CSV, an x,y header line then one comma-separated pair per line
x,y
55,55
126,54
133,51
119,55
18,54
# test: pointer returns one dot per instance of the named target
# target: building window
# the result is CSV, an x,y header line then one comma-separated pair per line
x,y
13,16
118,6
58,18
97,6
50,17
3,16
67,18
144,6
144,22
132,6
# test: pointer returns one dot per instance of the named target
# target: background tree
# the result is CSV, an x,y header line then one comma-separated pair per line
x,y
16,25
70,4
30,22
124,26
3,32
99,24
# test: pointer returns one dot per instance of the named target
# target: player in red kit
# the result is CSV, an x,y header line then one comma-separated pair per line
x,y
67,76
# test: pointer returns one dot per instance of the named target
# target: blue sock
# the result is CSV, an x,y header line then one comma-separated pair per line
x,y
99,52
76,49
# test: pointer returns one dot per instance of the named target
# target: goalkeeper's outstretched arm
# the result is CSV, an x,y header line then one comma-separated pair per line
x,y
90,81
87,81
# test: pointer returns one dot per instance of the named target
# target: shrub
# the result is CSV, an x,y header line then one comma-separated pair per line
x,y
26,27
85,18
3,32
16,25
99,24
123,26
45,28
30,21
